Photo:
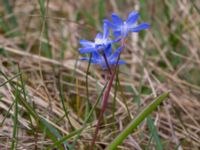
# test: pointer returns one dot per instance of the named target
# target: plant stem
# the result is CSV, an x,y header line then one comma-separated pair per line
x,y
107,64
105,101
105,96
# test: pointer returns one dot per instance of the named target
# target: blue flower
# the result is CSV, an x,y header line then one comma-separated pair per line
x,y
101,42
122,28
111,58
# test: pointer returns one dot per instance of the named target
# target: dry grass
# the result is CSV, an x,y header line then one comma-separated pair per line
x,y
166,57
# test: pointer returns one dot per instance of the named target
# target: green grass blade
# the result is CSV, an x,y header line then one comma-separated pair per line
x,y
3,24
9,10
135,122
15,119
63,139
78,132
41,123
89,115
2,84
7,113
90,18
54,131
123,97
87,89
45,46
101,9
63,103
154,133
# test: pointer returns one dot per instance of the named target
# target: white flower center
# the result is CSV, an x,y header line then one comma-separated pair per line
x,y
100,44
124,29
99,41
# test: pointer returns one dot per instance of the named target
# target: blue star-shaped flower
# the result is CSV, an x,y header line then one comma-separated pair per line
x,y
111,58
122,28
101,42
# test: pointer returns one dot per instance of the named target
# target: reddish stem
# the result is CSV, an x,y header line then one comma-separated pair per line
x,y
107,64
105,100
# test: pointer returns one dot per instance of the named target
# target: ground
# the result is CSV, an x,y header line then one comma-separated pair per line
x,y
47,93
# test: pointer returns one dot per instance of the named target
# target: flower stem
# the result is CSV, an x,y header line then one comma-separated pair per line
x,y
107,64
105,101
105,96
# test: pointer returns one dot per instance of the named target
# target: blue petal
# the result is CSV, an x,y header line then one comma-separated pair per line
x,y
117,33
120,62
86,43
108,50
85,59
110,24
116,40
132,17
96,55
99,36
88,59
116,53
116,19
105,31
87,50
141,26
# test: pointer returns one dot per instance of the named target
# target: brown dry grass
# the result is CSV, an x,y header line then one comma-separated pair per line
x,y
156,63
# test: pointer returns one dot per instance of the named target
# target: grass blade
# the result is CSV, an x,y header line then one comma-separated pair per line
x,y
78,132
15,119
63,102
54,131
135,122
102,10
7,113
9,10
2,84
154,133
45,46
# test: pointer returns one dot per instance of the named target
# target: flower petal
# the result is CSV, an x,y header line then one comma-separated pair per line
x,y
86,43
116,53
117,33
140,27
99,36
132,17
108,50
116,40
105,31
120,62
94,61
116,19
85,59
110,24
96,55
87,50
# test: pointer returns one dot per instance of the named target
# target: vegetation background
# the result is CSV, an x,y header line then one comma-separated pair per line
x,y
43,85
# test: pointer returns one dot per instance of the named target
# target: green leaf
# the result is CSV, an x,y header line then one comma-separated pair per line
x,y
135,122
